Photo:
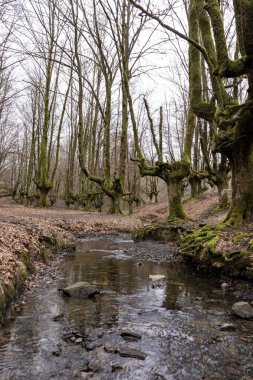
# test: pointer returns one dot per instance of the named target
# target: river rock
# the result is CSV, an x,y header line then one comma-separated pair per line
x,y
130,335
156,277
243,310
116,367
80,289
132,353
228,327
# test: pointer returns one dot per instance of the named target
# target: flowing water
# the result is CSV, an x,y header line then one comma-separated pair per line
x,y
178,319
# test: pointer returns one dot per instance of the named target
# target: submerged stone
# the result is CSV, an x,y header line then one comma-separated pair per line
x,y
130,335
80,289
156,277
243,310
132,353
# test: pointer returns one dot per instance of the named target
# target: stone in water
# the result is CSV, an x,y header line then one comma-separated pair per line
x,y
80,289
156,277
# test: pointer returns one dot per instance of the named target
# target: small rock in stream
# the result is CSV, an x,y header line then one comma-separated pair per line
x,y
132,353
90,346
130,336
57,353
110,349
156,277
81,289
116,367
243,310
228,327
58,317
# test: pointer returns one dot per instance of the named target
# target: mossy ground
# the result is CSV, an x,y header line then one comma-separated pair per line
x,y
170,231
221,249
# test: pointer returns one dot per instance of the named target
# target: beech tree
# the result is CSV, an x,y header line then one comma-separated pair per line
x,y
231,120
8,125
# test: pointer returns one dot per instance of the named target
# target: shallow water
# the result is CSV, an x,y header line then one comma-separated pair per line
x,y
179,321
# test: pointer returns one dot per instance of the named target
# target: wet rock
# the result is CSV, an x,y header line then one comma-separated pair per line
x,y
99,332
243,310
110,349
130,336
228,327
132,353
94,366
225,285
147,311
116,367
90,346
58,317
91,337
67,336
156,277
57,352
86,375
80,289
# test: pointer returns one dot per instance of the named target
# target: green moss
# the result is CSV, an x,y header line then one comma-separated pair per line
x,y
201,243
211,244
200,246
10,292
160,232
124,230
239,237
145,232
220,227
2,306
45,255
250,246
26,259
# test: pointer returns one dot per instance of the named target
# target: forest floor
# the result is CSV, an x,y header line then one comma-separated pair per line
x,y
28,235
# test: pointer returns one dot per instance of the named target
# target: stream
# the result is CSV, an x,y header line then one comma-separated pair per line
x,y
180,327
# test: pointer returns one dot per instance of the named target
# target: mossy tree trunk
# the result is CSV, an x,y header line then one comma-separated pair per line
x,y
195,184
241,159
223,193
176,210
235,138
110,186
232,123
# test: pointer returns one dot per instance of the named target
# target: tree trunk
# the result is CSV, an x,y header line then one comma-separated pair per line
x,y
43,199
223,194
115,205
241,160
195,184
175,201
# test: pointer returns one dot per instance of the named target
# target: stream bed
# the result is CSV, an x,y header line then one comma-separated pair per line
x,y
180,327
